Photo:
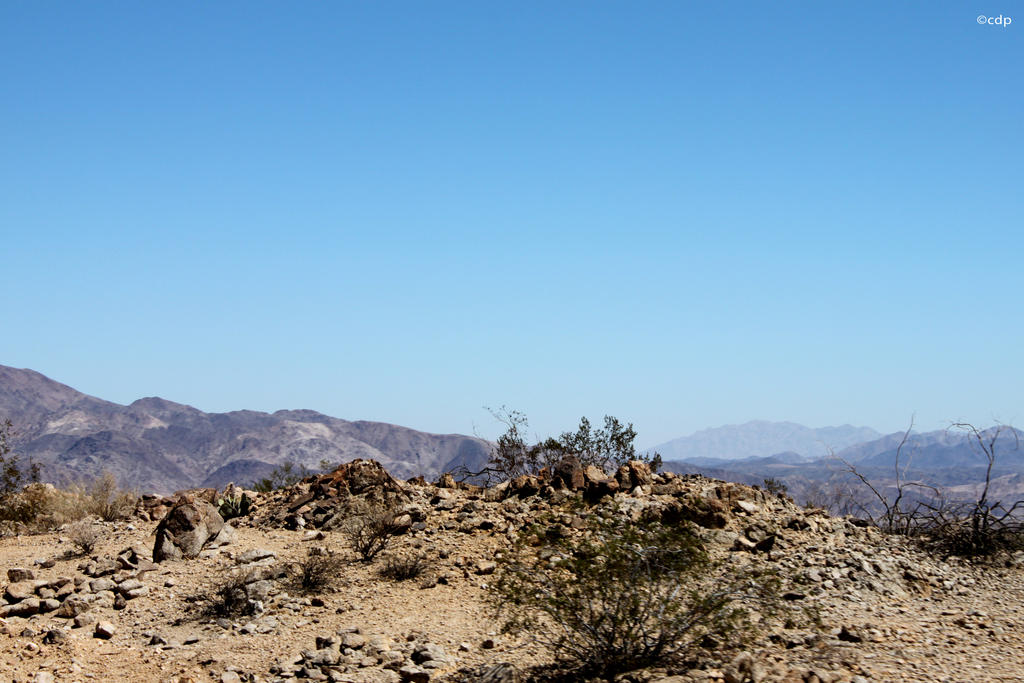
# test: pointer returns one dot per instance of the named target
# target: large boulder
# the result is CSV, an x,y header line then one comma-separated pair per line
x,y
189,526
598,484
524,486
19,590
568,474
634,473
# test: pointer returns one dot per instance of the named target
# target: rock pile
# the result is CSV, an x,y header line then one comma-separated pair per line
x,y
325,501
152,507
105,582
570,475
351,656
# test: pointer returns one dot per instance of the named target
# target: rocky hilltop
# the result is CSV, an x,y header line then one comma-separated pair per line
x,y
886,611
160,446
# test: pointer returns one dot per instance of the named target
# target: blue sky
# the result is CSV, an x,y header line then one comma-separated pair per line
x,y
681,214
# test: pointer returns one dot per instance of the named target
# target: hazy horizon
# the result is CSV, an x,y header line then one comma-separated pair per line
x,y
642,444
682,215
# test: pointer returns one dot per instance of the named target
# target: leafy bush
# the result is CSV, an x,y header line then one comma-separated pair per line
x,y
13,477
776,487
282,477
624,595
370,529
404,567
606,448
318,571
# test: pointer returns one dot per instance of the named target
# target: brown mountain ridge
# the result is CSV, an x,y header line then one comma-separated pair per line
x,y
156,445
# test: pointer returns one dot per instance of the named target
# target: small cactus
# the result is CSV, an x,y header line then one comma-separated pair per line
x,y
234,506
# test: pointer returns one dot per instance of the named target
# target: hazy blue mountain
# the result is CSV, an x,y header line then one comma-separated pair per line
x,y
948,459
942,449
760,438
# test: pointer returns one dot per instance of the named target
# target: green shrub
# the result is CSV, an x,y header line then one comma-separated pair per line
x,y
606,448
282,477
624,595
776,487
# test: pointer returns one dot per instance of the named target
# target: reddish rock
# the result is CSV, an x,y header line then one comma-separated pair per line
x,y
19,590
568,474
524,486
361,477
634,473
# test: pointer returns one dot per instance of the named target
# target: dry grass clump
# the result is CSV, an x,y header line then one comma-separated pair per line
x,y
28,505
227,597
39,507
320,570
371,528
84,536
108,501
404,567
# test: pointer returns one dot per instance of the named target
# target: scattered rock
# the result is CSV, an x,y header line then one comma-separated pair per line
x,y
19,574
255,555
19,590
413,674
851,634
104,630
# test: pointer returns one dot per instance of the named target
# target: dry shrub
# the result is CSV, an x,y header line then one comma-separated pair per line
x,y
84,536
27,505
371,528
318,571
404,567
227,596
39,508
108,501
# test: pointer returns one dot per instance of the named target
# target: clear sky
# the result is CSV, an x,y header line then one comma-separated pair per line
x,y
682,214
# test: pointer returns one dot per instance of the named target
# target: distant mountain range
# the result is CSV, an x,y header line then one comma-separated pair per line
x,y
159,446
947,459
759,438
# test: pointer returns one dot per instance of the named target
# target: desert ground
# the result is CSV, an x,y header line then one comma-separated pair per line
x,y
888,611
